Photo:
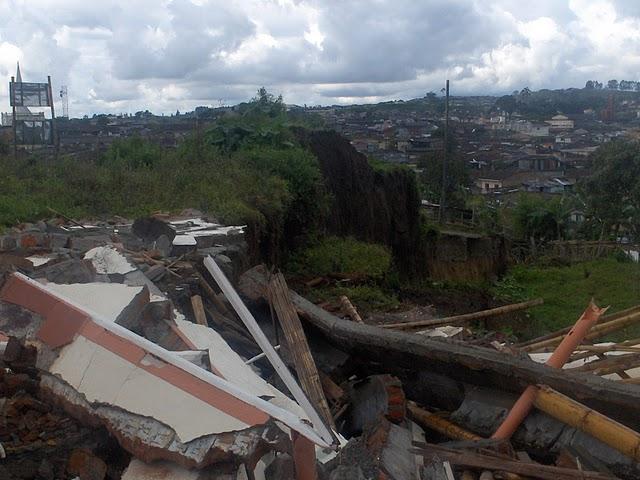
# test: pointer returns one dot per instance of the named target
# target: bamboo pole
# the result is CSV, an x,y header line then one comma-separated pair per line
x,y
467,317
558,358
575,414
563,331
596,332
586,351
439,424
610,364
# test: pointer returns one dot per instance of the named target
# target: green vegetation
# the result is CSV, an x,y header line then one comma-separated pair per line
x,y
246,168
612,192
567,290
334,255
369,264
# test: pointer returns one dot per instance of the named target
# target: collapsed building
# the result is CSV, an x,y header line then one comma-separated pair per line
x,y
128,352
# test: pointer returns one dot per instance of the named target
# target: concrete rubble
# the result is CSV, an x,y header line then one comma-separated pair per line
x,y
127,353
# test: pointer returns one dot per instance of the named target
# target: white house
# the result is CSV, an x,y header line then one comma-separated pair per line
x,y
561,121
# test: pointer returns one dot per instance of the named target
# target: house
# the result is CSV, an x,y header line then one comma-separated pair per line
x,y
560,122
488,185
563,139
531,129
540,163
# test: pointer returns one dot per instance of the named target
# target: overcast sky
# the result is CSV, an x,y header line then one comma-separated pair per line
x,y
128,55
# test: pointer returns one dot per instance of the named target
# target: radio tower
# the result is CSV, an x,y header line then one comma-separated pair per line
x,y
65,101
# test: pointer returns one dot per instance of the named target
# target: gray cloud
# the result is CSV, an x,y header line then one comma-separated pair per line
x,y
122,55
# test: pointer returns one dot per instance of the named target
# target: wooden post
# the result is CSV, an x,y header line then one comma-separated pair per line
x,y
575,414
298,346
558,358
467,317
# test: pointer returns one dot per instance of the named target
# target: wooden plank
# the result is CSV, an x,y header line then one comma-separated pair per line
x,y
261,339
298,346
198,310
467,317
487,462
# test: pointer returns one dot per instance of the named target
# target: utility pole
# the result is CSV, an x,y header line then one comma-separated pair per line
x,y
443,194
13,122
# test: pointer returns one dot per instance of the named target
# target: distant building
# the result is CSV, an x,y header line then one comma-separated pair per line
x,y
561,122
488,185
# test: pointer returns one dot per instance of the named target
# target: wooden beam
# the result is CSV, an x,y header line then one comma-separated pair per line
x,y
298,346
456,360
467,317
261,339
488,462
198,310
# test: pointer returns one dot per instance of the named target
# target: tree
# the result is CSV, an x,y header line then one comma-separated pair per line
x,y
612,84
589,85
597,84
612,192
539,219
525,93
506,103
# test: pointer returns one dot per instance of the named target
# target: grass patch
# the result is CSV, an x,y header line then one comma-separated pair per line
x,y
370,263
366,298
567,290
342,255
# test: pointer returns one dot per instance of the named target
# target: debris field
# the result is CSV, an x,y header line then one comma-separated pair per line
x,y
155,349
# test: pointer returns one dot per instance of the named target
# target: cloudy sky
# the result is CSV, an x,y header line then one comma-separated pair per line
x,y
127,55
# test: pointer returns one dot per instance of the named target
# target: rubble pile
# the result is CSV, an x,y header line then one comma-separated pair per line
x,y
128,353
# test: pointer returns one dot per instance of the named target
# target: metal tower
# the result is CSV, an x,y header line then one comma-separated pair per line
x,y
65,101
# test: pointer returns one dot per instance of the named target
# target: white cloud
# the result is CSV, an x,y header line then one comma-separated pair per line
x,y
119,55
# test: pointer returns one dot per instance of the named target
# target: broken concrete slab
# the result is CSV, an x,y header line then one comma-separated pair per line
x,y
156,403
113,301
68,271
107,260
